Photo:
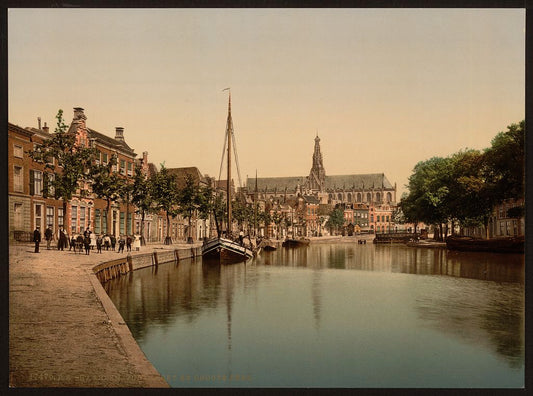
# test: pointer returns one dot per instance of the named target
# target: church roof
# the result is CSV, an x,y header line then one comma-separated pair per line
x,y
270,183
356,181
363,181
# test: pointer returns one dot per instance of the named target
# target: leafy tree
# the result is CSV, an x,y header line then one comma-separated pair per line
x,y
336,219
505,162
69,162
205,202
141,197
165,195
188,199
108,185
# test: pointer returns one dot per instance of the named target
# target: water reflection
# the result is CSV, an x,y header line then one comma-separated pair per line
x,y
475,299
402,259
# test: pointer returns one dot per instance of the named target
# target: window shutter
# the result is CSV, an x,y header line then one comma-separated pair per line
x,y
45,185
32,183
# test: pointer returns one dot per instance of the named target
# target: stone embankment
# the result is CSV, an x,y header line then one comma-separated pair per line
x,y
64,331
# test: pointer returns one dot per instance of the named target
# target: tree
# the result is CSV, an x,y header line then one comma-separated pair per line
x,y
165,194
505,162
107,184
205,202
69,162
141,197
188,200
336,219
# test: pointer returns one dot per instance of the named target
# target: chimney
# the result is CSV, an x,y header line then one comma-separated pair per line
x,y
119,134
39,122
78,114
45,128
145,157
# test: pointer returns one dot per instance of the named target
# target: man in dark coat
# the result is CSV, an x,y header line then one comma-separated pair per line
x,y
48,233
37,238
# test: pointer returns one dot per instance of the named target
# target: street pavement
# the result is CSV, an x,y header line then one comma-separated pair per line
x,y
60,334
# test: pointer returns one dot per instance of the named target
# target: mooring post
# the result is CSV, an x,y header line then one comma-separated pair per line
x,y
176,255
130,262
154,259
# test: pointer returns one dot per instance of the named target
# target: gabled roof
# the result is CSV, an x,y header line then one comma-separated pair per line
x,y
182,173
110,142
22,131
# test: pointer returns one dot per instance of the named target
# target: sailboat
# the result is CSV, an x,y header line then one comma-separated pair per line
x,y
225,250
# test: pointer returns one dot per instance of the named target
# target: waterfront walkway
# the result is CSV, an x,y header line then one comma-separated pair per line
x,y
63,330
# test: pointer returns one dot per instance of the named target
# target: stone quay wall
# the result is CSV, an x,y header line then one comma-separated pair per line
x,y
64,331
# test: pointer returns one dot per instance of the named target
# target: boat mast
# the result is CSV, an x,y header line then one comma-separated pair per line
x,y
229,132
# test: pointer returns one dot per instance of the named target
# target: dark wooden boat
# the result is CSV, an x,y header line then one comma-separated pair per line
x,y
225,250
291,242
496,245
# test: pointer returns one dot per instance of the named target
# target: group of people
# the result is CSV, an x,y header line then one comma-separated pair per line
x,y
87,241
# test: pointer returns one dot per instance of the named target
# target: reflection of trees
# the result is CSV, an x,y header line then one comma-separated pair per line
x,y
483,313
159,295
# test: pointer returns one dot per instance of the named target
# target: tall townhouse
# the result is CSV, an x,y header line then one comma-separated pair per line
x,y
31,195
91,211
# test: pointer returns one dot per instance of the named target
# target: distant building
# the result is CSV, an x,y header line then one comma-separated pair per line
x,y
362,190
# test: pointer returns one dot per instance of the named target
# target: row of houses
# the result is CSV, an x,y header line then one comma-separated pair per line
x,y
31,197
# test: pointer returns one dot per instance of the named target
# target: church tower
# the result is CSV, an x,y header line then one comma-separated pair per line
x,y
317,176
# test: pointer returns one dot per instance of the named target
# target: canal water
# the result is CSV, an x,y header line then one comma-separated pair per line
x,y
332,315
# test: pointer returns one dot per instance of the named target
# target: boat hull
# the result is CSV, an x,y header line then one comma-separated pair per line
x,y
499,245
225,251
290,243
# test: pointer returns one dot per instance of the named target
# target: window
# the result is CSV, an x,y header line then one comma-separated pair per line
x,y
49,184
17,216
368,197
97,221
104,221
389,197
128,228
18,179
122,223
129,168
73,219
82,219
122,167
36,182
38,215
104,158
60,217
50,217
18,152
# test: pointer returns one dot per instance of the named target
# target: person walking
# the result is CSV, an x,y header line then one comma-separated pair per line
x,y
87,244
128,243
113,242
99,244
62,239
121,243
37,238
136,242
48,235
107,242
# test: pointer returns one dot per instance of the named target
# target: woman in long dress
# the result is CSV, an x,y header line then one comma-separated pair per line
x,y
136,243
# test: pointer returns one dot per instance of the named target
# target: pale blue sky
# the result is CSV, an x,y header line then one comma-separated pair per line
x,y
384,88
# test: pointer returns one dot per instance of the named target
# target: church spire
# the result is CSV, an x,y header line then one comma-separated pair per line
x,y
317,176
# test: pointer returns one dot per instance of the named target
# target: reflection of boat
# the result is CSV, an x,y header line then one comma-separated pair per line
x,y
497,245
291,242
224,249
267,245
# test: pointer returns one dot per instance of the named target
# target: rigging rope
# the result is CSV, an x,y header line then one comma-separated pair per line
x,y
236,158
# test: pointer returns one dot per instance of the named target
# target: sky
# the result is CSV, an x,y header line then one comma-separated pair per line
x,y
382,88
